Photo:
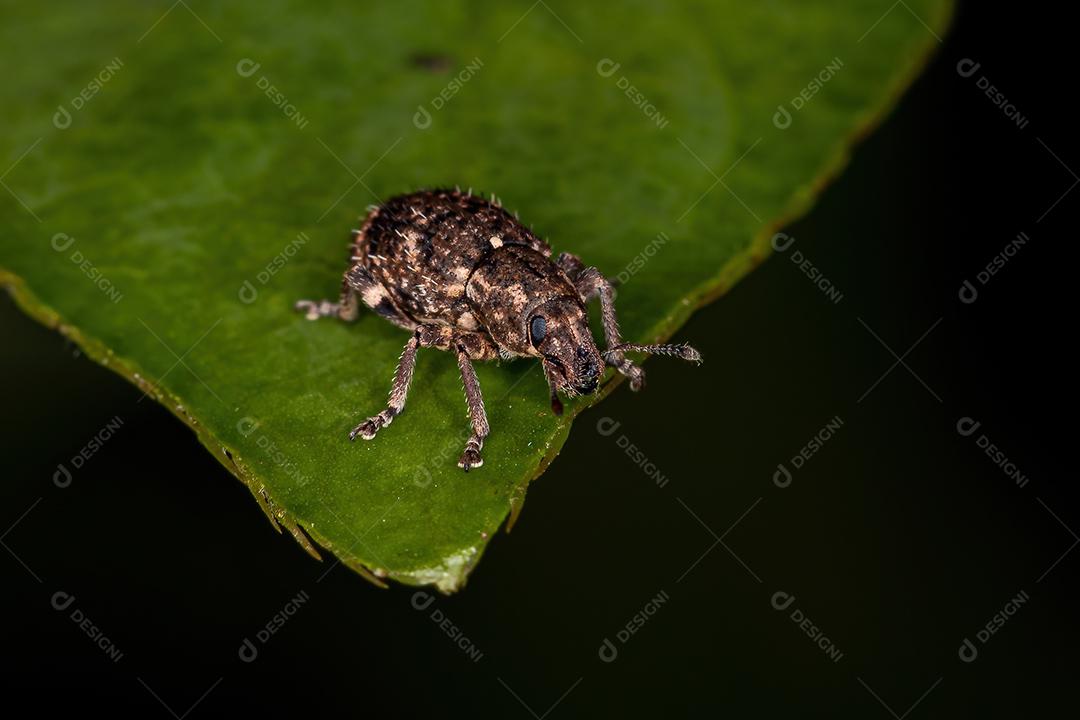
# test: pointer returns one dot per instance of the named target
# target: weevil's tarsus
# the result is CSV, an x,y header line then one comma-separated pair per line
x,y
399,390
346,308
470,458
315,309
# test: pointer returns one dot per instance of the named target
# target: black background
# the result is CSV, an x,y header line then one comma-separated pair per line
x,y
899,539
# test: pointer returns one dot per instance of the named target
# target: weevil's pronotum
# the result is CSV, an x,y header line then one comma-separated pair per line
x,y
462,274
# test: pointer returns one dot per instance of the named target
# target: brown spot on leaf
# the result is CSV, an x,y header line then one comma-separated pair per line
x,y
431,62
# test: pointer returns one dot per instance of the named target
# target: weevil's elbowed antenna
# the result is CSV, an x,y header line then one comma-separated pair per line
x,y
681,351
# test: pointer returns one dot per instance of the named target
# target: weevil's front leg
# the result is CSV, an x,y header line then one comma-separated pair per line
x,y
346,308
470,458
398,391
590,283
570,264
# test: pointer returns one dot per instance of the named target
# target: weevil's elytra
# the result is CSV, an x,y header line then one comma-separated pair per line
x,y
462,274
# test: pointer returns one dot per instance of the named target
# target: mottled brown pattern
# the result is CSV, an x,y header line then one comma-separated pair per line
x,y
464,275
423,247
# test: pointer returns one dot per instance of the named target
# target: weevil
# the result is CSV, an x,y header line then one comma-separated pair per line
x,y
462,274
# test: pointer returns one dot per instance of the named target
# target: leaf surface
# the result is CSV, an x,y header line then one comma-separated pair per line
x,y
176,175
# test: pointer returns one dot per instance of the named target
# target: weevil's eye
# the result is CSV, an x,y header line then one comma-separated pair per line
x,y
537,330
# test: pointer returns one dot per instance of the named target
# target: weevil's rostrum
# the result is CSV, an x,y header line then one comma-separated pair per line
x,y
463,275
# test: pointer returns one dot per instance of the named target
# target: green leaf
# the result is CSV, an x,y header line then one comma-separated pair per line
x,y
176,175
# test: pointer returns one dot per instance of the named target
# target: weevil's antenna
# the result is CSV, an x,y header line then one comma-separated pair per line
x,y
681,351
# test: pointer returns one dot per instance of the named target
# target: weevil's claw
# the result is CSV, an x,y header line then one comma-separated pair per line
x,y
470,459
313,310
368,428
556,404
633,373
308,307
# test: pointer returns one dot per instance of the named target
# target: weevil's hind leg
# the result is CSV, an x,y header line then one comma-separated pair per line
x,y
470,458
346,308
398,391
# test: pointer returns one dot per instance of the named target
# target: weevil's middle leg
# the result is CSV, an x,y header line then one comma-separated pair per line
x,y
470,458
398,391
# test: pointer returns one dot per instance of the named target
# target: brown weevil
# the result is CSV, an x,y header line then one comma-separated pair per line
x,y
462,274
